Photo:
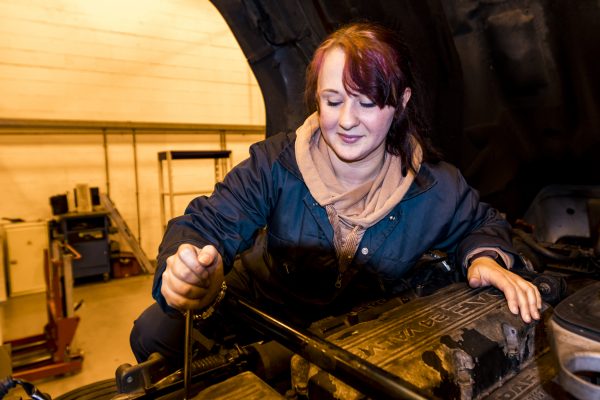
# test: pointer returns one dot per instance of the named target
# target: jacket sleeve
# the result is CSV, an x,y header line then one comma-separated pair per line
x,y
476,226
228,219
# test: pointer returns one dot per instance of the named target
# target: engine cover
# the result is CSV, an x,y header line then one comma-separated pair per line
x,y
459,343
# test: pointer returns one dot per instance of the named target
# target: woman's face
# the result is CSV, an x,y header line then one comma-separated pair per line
x,y
353,126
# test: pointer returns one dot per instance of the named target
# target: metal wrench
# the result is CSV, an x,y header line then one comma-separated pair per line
x,y
187,357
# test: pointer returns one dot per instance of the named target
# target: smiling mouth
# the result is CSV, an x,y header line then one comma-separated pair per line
x,y
349,139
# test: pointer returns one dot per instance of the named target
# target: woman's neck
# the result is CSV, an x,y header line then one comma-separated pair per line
x,y
353,174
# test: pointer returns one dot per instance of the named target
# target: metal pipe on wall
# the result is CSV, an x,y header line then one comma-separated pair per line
x,y
137,185
106,170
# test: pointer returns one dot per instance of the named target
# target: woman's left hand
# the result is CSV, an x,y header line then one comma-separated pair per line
x,y
522,296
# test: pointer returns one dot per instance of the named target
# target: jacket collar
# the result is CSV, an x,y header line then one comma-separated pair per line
x,y
422,183
287,157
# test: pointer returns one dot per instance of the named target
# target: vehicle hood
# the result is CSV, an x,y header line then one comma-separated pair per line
x,y
513,86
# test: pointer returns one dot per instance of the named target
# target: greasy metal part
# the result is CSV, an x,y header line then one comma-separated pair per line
x,y
300,368
512,342
536,382
148,381
575,328
464,364
369,379
459,343
187,360
140,377
575,354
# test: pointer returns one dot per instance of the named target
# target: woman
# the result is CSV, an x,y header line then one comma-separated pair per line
x,y
339,211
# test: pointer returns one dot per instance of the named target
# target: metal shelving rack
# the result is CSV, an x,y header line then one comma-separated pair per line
x,y
221,166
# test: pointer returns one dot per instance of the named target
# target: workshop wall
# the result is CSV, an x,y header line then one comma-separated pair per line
x,y
174,61
117,60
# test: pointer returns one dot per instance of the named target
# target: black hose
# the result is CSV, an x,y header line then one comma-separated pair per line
x,y
531,242
7,384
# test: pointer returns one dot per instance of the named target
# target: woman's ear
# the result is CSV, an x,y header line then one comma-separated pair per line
x,y
406,97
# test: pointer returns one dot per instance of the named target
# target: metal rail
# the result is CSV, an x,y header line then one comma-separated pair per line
x,y
43,126
357,372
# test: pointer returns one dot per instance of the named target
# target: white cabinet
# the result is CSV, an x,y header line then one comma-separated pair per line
x,y
24,245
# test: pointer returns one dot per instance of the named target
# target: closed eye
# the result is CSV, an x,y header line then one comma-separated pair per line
x,y
368,104
333,103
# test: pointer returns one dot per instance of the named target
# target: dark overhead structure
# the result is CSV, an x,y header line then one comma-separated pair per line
x,y
513,90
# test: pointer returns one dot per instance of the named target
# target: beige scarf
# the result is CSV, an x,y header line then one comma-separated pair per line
x,y
350,212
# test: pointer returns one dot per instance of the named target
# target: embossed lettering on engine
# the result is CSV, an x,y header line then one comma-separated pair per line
x,y
451,343
418,322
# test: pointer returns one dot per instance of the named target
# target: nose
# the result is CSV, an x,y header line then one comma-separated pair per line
x,y
348,118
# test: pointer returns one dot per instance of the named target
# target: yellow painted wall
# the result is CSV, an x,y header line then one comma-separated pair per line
x,y
128,60
133,60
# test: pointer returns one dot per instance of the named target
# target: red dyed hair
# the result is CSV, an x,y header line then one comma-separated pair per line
x,y
377,66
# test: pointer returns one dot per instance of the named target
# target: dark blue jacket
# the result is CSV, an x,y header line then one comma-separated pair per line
x,y
439,211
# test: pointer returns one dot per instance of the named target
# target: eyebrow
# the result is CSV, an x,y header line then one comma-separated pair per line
x,y
330,91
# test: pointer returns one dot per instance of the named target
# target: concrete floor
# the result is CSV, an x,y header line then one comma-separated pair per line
x,y
106,317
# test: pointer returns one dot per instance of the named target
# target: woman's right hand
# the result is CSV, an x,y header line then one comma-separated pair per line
x,y
192,278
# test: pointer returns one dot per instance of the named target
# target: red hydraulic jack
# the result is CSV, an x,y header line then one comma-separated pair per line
x,y
49,354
